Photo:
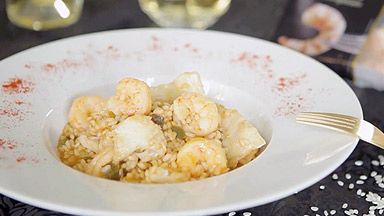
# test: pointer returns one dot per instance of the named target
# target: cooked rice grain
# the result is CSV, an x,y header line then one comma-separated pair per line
x,y
78,152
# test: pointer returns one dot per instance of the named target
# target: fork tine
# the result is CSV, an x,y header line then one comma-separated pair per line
x,y
355,44
331,116
353,37
347,49
337,121
347,124
325,123
350,43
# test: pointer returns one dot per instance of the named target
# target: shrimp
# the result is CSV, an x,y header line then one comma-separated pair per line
x,y
187,82
82,108
132,96
140,135
99,161
327,20
241,139
199,151
196,114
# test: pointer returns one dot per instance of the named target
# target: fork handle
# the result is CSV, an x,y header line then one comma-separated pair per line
x,y
378,138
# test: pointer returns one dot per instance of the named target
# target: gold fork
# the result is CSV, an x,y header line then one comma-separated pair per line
x,y
347,124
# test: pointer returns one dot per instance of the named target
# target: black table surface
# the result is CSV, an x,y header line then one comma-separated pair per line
x,y
257,18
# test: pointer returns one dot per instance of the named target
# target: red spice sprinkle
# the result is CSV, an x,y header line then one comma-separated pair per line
x,y
7,144
17,110
112,48
111,52
155,47
68,63
187,45
19,159
243,56
11,112
15,113
2,142
48,67
17,85
254,61
285,83
28,66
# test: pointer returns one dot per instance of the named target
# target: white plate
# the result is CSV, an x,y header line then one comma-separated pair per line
x,y
267,83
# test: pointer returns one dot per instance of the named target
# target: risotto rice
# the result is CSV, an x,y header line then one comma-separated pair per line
x,y
114,145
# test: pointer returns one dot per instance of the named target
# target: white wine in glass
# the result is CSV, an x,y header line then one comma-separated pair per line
x,y
43,14
199,14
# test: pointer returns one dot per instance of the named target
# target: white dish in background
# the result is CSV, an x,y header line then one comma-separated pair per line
x,y
267,83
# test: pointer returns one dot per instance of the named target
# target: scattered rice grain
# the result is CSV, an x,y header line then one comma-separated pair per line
x,y
359,191
359,163
351,186
373,173
314,208
335,176
381,159
375,163
348,176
